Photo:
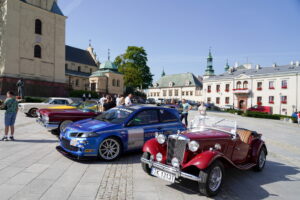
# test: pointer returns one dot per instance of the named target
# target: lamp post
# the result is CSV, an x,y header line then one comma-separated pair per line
x,y
280,103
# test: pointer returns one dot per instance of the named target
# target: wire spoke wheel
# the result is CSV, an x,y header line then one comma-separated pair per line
x,y
109,149
33,112
215,178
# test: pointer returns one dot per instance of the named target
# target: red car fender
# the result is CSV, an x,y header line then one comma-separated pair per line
x,y
256,147
204,159
153,147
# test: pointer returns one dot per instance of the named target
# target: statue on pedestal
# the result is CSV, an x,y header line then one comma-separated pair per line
x,y
20,85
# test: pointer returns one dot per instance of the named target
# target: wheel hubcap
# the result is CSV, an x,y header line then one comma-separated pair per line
x,y
215,178
262,159
109,149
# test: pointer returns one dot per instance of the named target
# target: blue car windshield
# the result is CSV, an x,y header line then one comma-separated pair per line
x,y
115,115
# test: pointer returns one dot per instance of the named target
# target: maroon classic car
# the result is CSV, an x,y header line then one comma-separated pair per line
x,y
202,152
58,119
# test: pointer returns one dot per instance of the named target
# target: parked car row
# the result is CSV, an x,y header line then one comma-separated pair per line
x,y
171,151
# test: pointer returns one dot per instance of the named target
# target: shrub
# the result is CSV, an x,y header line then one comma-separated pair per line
x,y
34,99
79,93
233,111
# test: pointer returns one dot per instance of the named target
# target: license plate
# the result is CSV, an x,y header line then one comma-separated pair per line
x,y
163,175
73,142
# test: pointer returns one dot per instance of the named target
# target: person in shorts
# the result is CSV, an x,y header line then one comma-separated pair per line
x,y
11,110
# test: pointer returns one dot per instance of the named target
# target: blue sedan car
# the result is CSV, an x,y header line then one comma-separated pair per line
x,y
118,130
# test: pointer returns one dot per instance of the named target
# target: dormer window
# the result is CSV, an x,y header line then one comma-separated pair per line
x,y
188,83
171,84
156,85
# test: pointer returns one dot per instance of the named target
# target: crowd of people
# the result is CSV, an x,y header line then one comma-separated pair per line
x,y
107,102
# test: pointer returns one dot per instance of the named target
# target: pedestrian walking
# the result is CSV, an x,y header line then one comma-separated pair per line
x,y
118,100
298,116
11,109
186,107
90,96
128,100
83,97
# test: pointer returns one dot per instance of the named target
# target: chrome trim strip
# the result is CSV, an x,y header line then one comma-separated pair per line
x,y
178,173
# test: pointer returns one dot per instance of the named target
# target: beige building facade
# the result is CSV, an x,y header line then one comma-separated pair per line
x,y
32,47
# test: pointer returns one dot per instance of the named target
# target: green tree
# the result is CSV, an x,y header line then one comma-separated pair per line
x,y
133,64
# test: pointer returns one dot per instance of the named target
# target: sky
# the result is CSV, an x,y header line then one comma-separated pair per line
x,y
177,34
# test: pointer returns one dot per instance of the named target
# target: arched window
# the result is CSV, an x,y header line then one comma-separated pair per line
x,y
238,85
79,69
245,85
37,51
38,27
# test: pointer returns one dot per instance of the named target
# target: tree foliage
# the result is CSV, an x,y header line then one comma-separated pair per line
x,y
133,64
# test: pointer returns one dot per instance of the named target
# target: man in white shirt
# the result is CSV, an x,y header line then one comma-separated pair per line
x,y
102,99
128,100
118,99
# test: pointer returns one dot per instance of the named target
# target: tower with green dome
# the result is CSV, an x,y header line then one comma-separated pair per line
x,y
209,71
226,68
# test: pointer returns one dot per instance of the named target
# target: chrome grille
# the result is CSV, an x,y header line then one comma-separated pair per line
x,y
176,147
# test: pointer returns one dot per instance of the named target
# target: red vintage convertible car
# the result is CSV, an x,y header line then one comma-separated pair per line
x,y
59,119
201,153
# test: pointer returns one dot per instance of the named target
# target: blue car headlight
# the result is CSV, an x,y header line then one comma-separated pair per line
x,y
88,134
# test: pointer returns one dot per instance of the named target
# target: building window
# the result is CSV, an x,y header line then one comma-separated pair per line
x,y
164,93
284,99
187,93
158,94
259,86
218,88
209,89
227,87
38,27
259,101
113,82
170,92
93,87
37,51
79,69
118,83
208,100
227,100
238,85
271,85
77,82
176,93
191,93
218,100
66,66
284,84
91,71
245,85
271,99
182,93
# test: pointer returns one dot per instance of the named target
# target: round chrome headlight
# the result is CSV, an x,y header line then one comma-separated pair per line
x,y
193,146
159,157
161,138
175,162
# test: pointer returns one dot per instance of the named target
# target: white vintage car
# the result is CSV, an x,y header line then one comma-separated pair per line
x,y
30,109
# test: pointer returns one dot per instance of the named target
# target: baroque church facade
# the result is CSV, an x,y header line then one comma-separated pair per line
x,y
32,47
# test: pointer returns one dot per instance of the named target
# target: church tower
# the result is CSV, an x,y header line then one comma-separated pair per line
x,y
209,71
32,47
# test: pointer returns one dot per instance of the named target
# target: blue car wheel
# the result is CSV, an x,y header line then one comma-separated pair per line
x,y
110,149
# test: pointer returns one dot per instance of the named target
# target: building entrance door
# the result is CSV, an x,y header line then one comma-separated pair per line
x,y
242,102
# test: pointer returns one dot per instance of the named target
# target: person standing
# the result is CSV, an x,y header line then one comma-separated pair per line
x,y
202,109
90,96
11,107
298,116
128,100
109,103
186,107
83,97
118,100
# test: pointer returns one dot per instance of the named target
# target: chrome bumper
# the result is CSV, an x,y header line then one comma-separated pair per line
x,y
48,126
177,172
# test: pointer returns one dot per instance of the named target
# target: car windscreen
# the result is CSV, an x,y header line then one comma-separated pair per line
x,y
115,115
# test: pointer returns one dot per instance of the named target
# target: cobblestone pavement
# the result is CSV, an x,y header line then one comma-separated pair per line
x,y
31,168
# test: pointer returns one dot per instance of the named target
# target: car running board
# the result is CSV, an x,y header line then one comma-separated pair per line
x,y
246,166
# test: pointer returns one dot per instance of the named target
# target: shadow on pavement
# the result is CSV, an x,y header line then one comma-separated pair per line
x,y
36,141
245,185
